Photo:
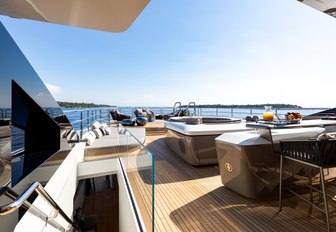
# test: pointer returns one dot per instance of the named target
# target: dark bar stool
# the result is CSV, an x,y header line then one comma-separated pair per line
x,y
318,154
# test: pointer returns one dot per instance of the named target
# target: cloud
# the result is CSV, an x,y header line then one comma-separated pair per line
x,y
45,100
54,89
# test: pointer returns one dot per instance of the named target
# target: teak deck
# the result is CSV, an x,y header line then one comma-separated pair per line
x,y
189,198
104,203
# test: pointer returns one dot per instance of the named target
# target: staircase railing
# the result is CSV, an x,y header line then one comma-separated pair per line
x,y
22,201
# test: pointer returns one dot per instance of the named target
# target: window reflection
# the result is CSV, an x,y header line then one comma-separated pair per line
x,y
13,139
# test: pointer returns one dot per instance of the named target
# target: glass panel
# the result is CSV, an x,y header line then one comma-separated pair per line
x,y
32,103
138,162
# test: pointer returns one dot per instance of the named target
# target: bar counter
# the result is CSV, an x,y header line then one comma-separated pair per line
x,y
249,161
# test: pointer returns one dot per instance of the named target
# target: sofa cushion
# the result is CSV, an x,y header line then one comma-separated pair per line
x,y
89,137
96,125
98,133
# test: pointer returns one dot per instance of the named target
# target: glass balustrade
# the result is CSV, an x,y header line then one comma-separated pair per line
x,y
138,162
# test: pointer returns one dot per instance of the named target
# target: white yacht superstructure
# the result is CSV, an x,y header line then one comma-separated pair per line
x,y
53,162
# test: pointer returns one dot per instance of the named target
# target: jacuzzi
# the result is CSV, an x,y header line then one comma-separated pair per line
x,y
204,119
193,138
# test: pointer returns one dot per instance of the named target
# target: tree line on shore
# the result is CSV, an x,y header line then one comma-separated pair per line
x,y
254,106
80,105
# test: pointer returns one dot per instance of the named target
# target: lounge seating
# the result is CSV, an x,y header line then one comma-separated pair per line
x,y
116,115
180,113
128,122
145,113
109,142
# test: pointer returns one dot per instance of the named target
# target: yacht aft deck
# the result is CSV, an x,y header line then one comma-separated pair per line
x,y
189,198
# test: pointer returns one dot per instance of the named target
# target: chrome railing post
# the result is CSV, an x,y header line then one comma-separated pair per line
x,y
251,111
92,117
216,111
100,117
88,119
81,124
175,106
109,117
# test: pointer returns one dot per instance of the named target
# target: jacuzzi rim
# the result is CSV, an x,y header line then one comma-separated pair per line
x,y
207,119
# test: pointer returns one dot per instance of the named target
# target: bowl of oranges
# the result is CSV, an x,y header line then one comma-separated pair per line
x,y
293,117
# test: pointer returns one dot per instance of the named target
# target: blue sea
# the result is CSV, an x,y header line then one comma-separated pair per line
x,y
226,112
88,116
74,115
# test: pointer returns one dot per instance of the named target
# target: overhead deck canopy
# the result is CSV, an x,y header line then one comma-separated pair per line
x,y
105,15
326,6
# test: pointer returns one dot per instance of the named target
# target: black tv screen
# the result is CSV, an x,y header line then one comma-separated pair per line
x,y
30,118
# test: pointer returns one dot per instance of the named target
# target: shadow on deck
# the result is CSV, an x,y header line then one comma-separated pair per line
x,y
189,198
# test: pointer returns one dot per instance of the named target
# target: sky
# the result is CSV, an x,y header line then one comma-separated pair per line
x,y
209,52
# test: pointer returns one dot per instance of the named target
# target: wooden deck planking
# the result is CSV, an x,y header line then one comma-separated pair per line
x,y
104,204
183,196
187,186
189,198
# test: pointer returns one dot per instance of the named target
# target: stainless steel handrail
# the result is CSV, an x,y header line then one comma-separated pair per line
x,y
189,104
31,208
17,153
179,106
22,200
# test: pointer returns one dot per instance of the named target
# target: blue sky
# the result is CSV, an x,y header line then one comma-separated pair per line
x,y
210,52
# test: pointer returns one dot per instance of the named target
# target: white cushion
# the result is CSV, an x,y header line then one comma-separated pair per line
x,y
64,134
98,133
89,137
102,130
108,131
95,125
103,125
67,132
71,135
93,134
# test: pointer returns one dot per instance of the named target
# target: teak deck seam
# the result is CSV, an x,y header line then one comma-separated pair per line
x,y
189,198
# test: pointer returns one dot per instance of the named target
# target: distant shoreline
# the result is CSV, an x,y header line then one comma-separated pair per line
x,y
81,105
234,106
255,106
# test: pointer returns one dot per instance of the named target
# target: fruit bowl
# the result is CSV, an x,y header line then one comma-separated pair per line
x,y
293,117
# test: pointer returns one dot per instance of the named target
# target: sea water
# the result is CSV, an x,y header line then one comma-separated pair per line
x,y
225,112
102,115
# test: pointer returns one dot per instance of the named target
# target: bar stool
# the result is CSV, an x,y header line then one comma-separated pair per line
x,y
318,154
